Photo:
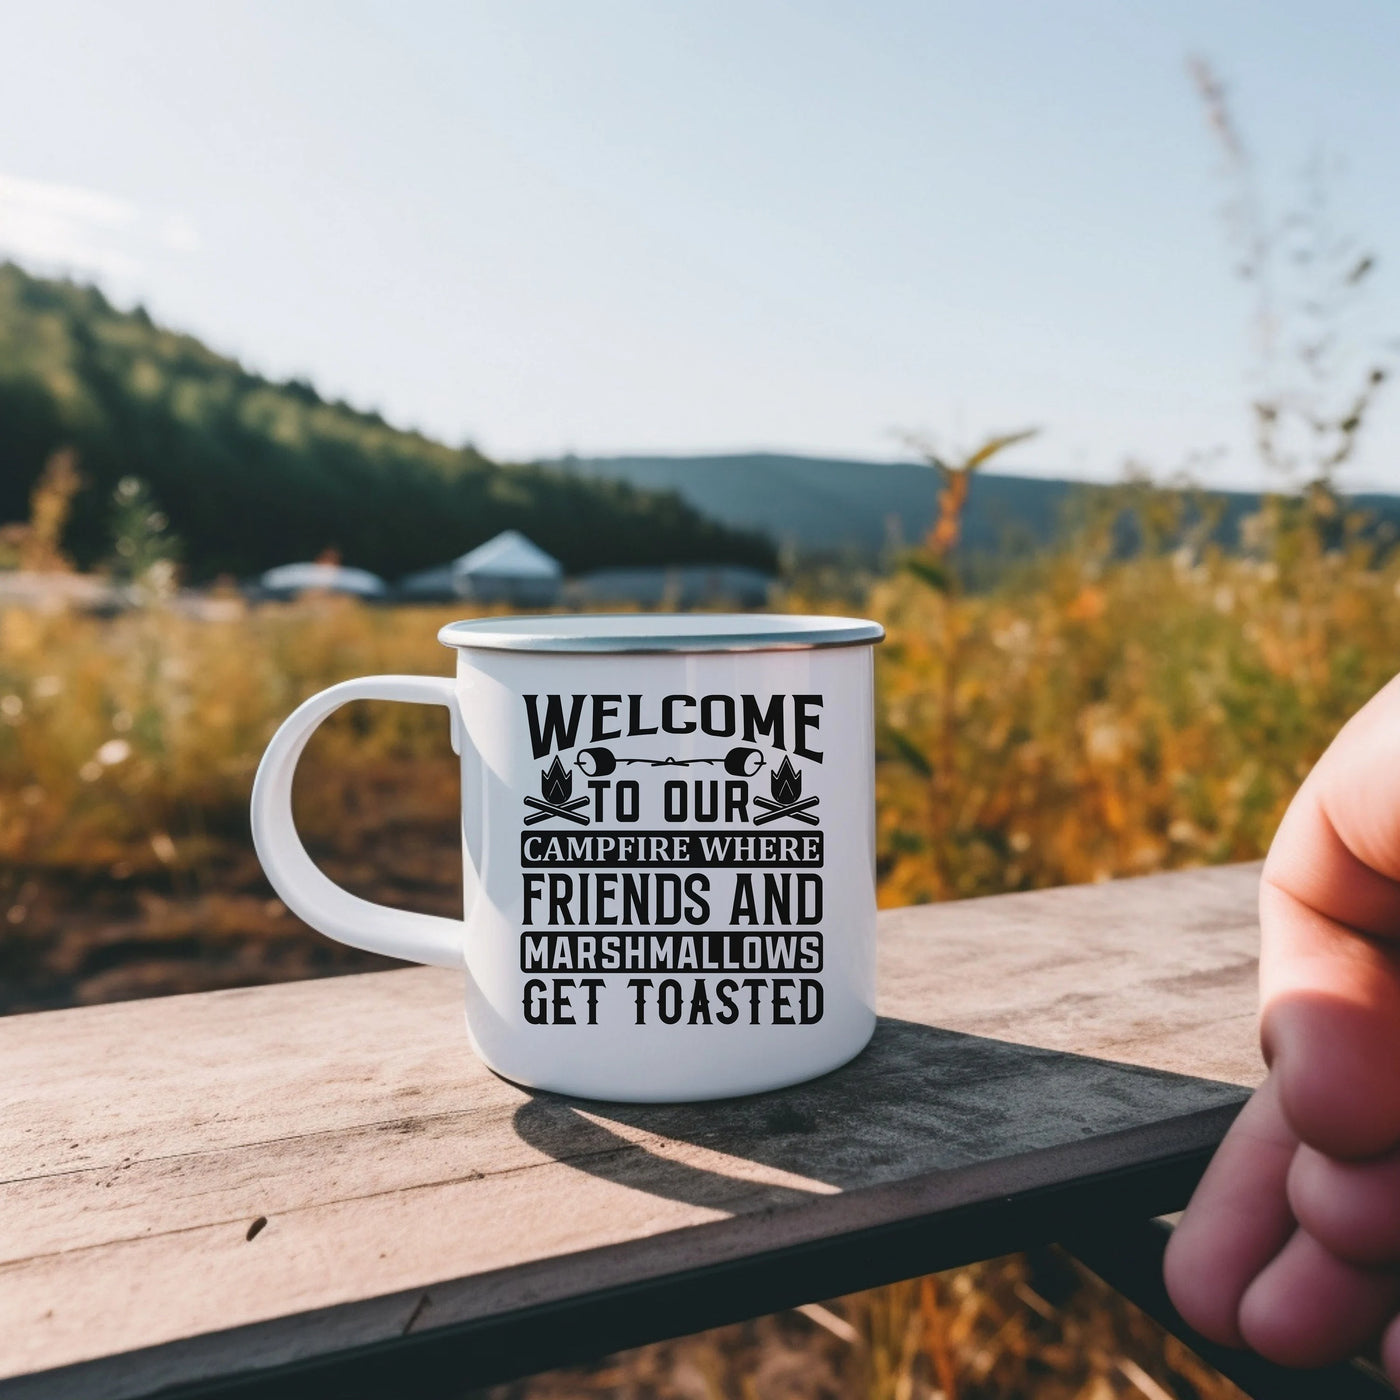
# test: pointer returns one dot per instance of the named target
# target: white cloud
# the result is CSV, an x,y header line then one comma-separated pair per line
x,y
69,229
66,201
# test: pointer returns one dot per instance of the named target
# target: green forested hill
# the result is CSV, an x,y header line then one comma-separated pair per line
x,y
253,473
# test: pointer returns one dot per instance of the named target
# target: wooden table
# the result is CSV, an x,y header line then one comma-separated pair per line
x,y
314,1188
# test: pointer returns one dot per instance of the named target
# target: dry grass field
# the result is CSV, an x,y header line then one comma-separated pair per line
x,y
1032,1327
1091,716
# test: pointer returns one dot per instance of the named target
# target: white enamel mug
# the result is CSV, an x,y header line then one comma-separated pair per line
x,y
668,840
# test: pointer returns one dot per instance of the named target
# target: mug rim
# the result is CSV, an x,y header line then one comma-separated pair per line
x,y
651,633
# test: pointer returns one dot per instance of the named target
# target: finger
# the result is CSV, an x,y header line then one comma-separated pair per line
x,y
1390,1352
1351,1208
1237,1221
1331,1028
1337,849
1330,914
1309,1308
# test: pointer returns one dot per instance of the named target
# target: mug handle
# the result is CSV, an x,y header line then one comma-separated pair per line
x,y
397,933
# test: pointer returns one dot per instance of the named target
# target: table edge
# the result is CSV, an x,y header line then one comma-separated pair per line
x,y
898,1230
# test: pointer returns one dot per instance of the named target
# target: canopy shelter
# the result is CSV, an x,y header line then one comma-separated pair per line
x,y
292,580
508,568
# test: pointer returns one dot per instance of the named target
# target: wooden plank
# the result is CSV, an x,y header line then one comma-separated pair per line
x,y
1160,972
1030,1043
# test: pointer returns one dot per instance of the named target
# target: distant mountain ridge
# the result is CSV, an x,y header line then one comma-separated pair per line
x,y
830,505
253,473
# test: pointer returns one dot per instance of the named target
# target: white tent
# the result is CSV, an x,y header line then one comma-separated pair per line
x,y
507,569
291,580
508,555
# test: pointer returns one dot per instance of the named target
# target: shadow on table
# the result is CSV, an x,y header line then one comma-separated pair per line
x,y
917,1100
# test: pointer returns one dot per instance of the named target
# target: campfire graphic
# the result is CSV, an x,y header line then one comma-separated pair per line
x,y
557,788
785,783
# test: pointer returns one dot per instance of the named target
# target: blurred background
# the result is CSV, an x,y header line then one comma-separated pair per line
x,y
1058,339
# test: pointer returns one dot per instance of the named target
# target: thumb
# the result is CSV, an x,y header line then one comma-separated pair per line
x,y
1330,958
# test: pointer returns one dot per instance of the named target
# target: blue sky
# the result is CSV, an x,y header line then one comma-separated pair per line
x,y
636,225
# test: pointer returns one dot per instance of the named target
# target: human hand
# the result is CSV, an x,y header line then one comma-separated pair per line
x,y
1291,1243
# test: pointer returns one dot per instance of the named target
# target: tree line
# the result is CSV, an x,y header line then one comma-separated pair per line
x,y
253,473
